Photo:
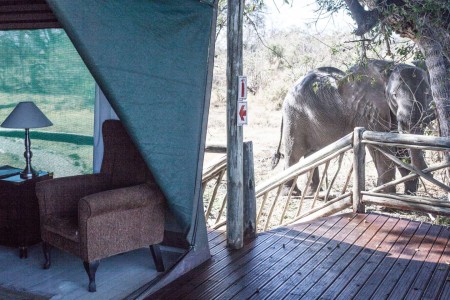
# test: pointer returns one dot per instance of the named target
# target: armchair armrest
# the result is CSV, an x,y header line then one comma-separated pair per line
x,y
121,199
120,220
61,195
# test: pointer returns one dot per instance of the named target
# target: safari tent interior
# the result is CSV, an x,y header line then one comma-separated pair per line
x,y
153,61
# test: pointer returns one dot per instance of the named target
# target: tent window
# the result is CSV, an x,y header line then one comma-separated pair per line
x,y
43,66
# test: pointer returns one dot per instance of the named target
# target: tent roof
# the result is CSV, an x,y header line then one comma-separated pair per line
x,y
26,14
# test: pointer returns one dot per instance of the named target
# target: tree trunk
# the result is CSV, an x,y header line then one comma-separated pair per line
x,y
440,86
431,48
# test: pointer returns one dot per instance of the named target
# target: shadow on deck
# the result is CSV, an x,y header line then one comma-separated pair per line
x,y
361,256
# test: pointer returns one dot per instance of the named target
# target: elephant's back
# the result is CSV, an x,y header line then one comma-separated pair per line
x,y
315,98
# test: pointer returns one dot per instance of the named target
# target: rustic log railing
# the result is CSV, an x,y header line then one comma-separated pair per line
x,y
338,163
276,209
438,204
214,189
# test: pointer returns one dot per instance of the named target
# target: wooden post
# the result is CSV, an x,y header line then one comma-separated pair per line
x,y
235,208
249,193
359,176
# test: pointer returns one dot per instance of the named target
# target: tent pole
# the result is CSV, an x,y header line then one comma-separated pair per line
x,y
235,207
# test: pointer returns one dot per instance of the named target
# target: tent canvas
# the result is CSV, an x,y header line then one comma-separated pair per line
x,y
151,59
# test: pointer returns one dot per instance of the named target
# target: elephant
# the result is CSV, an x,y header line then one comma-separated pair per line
x,y
327,103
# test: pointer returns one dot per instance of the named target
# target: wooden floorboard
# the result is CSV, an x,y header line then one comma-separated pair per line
x,y
211,286
379,251
429,266
350,256
374,236
221,261
308,263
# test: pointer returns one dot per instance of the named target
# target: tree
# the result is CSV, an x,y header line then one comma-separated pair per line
x,y
425,22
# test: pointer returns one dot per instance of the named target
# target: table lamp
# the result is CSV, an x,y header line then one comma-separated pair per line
x,y
26,115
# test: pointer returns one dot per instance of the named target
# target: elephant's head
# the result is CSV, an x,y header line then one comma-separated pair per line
x,y
409,97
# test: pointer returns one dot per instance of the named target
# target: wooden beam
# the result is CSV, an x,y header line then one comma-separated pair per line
x,y
235,207
408,140
395,201
30,14
249,193
359,177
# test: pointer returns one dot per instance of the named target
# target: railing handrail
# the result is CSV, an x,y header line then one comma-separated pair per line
x,y
424,204
407,140
302,166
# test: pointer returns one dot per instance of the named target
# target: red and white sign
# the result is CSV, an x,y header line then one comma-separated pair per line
x,y
242,90
242,113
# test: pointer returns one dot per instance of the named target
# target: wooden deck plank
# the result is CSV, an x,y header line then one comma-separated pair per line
x,y
217,268
369,267
308,264
404,283
210,290
401,262
221,259
430,265
366,251
440,275
446,291
339,258
245,287
372,283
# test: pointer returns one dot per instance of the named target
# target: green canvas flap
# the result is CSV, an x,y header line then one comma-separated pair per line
x,y
151,60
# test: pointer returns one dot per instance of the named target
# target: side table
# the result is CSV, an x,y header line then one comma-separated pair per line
x,y
19,212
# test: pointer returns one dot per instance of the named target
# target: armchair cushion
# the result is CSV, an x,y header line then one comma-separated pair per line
x,y
63,225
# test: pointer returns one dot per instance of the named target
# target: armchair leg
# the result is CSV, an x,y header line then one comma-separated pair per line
x,y
91,268
157,257
46,248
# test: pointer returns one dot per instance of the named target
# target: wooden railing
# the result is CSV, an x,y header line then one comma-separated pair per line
x,y
214,187
276,209
342,183
423,200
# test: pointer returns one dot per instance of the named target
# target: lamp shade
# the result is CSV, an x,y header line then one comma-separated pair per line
x,y
26,115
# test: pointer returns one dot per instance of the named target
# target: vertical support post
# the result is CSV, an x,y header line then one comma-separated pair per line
x,y
359,178
235,209
249,193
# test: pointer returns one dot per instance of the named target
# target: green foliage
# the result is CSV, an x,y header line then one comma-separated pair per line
x,y
331,6
42,62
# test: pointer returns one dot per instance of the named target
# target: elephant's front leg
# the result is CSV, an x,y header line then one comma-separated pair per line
x,y
293,148
385,169
418,162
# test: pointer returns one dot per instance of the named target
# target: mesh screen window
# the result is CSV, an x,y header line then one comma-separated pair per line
x,y
43,66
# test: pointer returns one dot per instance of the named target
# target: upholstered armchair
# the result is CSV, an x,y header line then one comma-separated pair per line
x,y
99,215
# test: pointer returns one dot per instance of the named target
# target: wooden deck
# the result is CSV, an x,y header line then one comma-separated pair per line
x,y
363,256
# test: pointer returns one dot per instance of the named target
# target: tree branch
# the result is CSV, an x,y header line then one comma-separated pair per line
x,y
365,20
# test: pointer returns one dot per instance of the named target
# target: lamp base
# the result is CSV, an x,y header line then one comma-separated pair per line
x,y
28,174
